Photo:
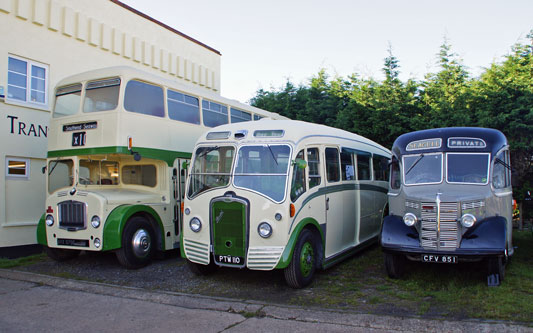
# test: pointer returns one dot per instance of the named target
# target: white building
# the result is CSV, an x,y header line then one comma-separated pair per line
x,y
46,40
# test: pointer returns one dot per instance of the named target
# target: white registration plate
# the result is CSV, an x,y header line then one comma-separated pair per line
x,y
439,259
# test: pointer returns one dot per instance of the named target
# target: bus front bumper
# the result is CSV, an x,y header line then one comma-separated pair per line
x,y
486,239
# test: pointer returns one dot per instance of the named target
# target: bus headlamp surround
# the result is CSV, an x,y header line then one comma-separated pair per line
x,y
409,219
264,230
49,220
95,221
468,220
195,224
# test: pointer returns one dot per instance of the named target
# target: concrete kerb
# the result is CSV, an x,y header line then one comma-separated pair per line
x,y
278,312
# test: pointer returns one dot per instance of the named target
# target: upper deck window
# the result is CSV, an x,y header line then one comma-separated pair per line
x,y
238,116
467,168
101,95
214,114
422,169
68,100
144,98
183,107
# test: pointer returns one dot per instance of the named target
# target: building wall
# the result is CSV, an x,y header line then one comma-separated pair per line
x,y
72,36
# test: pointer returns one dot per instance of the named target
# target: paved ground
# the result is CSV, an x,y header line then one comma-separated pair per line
x,y
34,302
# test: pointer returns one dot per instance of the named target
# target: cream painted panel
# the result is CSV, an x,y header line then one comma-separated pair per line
x,y
163,56
39,12
172,64
21,207
82,30
156,57
54,16
69,22
106,37
6,6
117,41
201,75
187,65
137,49
94,32
127,46
180,67
147,53
24,9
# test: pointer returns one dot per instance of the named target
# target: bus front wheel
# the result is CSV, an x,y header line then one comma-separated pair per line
x,y
61,254
137,243
301,269
394,265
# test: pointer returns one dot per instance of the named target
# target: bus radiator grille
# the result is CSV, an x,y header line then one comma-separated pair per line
x,y
448,236
72,215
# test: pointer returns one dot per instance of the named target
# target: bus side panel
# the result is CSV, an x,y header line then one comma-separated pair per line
x,y
116,221
285,259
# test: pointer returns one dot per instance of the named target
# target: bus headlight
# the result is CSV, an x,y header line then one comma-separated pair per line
x,y
49,220
195,224
264,229
97,243
409,219
468,220
95,221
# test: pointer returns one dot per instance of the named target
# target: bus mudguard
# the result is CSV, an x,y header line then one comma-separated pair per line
x,y
289,248
118,218
41,232
490,233
395,234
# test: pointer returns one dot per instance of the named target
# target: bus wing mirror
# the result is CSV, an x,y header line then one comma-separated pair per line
x,y
185,164
137,157
43,170
300,163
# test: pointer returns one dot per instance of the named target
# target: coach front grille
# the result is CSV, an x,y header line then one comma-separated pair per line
x,y
443,233
72,215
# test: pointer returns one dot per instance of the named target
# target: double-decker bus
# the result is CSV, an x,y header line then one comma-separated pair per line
x,y
118,147
450,200
282,194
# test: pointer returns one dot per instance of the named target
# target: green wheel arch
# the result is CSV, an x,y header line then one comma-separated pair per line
x,y
286,256
115,222
41,232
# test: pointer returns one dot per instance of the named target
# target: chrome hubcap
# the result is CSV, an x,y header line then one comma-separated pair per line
x,y
141,243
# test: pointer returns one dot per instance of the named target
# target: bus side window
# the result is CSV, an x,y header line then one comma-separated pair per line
x,y
298,179
501,173
347,168
395,175
313,163
363,167
381,169
332,164
144,98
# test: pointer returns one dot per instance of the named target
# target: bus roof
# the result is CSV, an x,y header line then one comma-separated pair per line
x,y
287,130
450,139
131,73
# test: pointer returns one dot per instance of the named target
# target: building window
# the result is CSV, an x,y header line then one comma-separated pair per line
x,y
27,81
17,168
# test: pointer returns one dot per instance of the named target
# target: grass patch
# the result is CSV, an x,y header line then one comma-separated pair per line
x,y
24,261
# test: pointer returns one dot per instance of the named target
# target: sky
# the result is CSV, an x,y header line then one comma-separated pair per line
x,y
265,43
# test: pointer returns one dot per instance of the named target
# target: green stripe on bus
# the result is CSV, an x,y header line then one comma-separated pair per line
x,y
159,154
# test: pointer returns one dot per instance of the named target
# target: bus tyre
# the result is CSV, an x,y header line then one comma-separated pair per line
x,y
137,243
61,254
497,266
394,265
301,269
201,270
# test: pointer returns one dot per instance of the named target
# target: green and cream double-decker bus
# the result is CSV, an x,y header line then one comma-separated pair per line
x,y
282,194
118,147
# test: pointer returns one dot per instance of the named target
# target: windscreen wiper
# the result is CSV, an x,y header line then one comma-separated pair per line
x,y
414,164
208,150
498,160
273,156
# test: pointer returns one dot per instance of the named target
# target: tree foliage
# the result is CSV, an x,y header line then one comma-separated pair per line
x,y
501,97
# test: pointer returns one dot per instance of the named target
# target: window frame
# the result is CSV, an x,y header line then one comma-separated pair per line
x,y
25,176
27,102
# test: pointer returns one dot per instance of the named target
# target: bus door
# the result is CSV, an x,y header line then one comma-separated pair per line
x,y
334,203
366,196
179,177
